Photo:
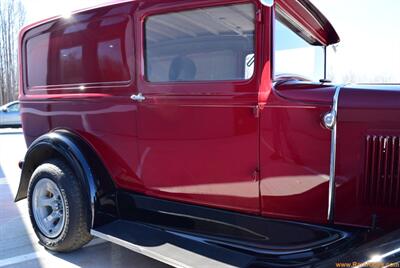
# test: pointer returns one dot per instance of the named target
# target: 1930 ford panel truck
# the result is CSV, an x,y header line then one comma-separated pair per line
x,y
191,123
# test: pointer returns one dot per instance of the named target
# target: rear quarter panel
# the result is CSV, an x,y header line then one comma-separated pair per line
x,y
95,104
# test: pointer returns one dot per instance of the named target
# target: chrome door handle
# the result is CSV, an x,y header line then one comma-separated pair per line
x,y
139,97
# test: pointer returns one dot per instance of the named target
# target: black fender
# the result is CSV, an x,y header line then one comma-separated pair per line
x,y
87,166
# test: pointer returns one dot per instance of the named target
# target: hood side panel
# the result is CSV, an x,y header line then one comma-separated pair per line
x,y
367,160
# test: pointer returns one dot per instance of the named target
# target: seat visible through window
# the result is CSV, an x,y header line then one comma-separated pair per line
x,y
204,44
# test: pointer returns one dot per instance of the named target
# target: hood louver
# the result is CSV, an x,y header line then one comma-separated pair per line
x,y
381,182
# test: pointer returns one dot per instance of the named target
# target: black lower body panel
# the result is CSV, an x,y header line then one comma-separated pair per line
x,y
269,242
170,248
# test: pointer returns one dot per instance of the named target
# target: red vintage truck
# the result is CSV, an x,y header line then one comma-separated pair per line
x,y
208,125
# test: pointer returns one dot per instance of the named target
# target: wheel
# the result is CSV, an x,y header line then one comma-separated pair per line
x,y
57,208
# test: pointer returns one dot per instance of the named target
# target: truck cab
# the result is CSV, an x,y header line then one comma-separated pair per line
x,y
211,119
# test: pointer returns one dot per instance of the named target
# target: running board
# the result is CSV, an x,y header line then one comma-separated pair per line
x,y
170,248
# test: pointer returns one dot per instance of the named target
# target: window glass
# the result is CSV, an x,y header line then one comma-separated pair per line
x,y
294,56
13,107
37,63
80,52
71,65
204,44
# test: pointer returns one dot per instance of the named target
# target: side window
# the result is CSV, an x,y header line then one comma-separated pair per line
x,y
205,44
80,52
13,107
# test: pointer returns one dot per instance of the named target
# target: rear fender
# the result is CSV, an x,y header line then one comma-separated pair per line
x,y
78,154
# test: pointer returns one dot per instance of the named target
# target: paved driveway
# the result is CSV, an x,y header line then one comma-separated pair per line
x,y
18,243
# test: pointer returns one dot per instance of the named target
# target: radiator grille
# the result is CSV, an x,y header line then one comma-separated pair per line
x,y
382,174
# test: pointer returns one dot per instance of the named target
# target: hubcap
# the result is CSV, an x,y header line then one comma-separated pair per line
x,y
48,208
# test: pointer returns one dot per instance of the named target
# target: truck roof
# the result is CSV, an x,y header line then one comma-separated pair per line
x,y
304,13
300,12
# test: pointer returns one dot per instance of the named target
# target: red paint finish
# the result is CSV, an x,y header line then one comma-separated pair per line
x,y
193,142
294,150
198,141
186,156
94,102
365,110
250,145
310,19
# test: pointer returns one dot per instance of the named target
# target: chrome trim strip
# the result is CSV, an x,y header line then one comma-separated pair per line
x,y
144,250
332,166
272,252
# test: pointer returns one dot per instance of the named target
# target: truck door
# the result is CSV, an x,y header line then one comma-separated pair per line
x,y
295,146
198,135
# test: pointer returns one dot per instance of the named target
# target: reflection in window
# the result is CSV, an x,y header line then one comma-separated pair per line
x,y
37,49
80,53
76,28
111,60
205,44
71,65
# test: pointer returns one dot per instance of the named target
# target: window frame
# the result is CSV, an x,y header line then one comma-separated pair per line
x,y
13,105
146,60
216,87
115,87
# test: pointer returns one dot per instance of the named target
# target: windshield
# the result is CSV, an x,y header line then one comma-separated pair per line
x,y
295,56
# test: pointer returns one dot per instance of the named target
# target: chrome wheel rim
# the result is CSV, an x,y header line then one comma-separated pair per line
x,y
48,208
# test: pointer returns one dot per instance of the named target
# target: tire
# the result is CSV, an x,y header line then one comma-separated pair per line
x,y
55,190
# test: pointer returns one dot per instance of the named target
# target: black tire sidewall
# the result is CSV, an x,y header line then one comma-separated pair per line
x,y
76,209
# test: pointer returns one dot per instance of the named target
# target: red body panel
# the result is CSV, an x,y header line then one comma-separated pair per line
x,y
294,150
248,146
198,142
190,142
102,113
186,156
367,110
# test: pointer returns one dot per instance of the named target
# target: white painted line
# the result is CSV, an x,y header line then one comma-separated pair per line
x,y
44,254
18,259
